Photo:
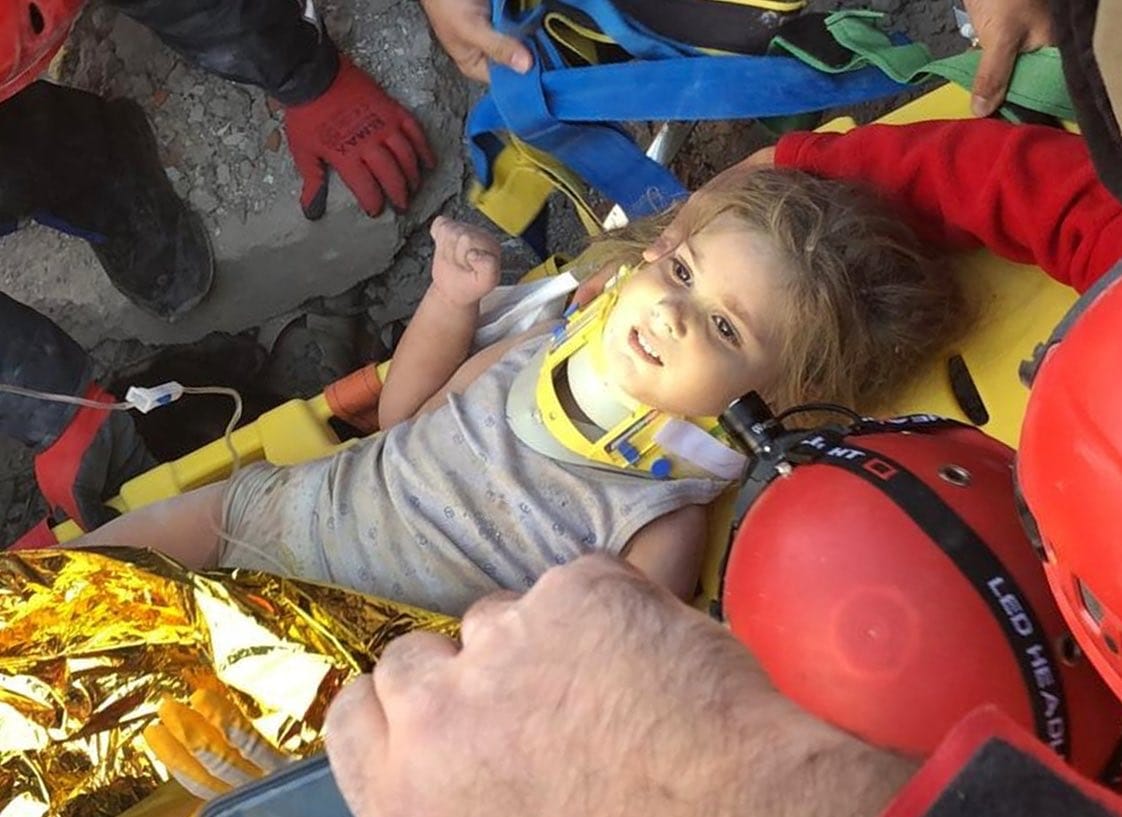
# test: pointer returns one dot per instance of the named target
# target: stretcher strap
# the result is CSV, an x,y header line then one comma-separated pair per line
x,y
633,37
569,115
522,180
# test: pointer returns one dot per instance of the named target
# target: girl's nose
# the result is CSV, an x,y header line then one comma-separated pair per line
x,y
670,317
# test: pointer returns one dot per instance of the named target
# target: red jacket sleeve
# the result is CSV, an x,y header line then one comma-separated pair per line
x,y
1028,193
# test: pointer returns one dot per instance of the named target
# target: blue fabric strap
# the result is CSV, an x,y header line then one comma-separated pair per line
x,y
603,156
566,112
48,219
704,88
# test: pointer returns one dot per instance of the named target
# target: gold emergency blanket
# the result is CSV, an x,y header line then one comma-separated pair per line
x,y
91,641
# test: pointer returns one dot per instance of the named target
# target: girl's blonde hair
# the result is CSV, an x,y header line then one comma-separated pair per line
x,y
865,302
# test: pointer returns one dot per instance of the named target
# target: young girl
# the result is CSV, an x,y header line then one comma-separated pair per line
x,y
798,288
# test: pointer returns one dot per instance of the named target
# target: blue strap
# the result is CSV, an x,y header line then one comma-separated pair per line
x,y
600,154
704,88
48,219
563,111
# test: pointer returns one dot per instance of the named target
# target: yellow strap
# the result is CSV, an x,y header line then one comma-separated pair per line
x,y
517,193
522,179
546,268
784,6
563,179
579,39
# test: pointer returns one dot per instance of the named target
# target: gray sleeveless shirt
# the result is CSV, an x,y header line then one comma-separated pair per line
x,y
443,509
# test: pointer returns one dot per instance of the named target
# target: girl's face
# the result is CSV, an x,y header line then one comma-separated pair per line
x,y
694,331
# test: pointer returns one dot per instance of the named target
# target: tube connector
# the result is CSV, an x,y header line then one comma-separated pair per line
x,y
145,399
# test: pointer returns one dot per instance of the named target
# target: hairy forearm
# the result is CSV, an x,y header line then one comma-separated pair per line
x,y
718,738
802,767
753,752
434,345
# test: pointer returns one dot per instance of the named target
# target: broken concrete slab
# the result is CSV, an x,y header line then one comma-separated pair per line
x,y
267,266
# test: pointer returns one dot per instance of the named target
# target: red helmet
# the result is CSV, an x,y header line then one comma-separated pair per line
x,y
31,32
885,584
1069,471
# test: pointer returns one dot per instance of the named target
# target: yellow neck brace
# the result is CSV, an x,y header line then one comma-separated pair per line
x,y
615,431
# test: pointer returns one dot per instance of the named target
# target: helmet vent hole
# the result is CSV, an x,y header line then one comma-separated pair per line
x,y
955,474
38,24
1111,644
1069,650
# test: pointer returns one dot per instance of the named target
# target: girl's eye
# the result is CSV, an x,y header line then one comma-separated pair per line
x,y
724,328
680,271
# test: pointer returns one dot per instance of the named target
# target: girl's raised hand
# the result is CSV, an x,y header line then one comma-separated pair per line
x,y
465,263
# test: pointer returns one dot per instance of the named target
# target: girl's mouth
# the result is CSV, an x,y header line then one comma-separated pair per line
x,y
643,348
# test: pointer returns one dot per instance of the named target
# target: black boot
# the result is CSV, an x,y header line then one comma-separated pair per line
x,y
90,167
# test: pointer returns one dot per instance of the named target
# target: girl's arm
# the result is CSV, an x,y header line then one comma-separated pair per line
x,y
669,550
465,267
477,364
1028,192
186,527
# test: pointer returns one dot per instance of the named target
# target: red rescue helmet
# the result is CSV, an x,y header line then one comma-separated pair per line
x,y
1069,471
885,584
31,33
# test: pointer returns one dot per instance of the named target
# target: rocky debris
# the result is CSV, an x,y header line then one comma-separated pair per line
x,y
929,23
222,146
202,122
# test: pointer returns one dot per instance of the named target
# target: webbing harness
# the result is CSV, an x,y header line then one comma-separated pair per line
x,y
557,127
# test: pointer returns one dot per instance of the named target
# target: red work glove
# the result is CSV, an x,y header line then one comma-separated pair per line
x,y
90,460
373,143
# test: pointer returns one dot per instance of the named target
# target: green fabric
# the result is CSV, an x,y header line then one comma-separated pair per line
x,y
780,43
1037,82
854,31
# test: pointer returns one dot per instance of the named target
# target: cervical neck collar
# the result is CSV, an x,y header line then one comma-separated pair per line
x,y
563,406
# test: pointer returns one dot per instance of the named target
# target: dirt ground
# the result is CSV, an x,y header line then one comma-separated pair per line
x,y
223,150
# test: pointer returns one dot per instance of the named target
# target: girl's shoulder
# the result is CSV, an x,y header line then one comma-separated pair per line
x,y
520,349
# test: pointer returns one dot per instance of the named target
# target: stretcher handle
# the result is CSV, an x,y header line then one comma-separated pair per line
x,y
354,397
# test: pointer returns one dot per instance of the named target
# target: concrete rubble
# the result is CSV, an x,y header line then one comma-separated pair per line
x,y
223,148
